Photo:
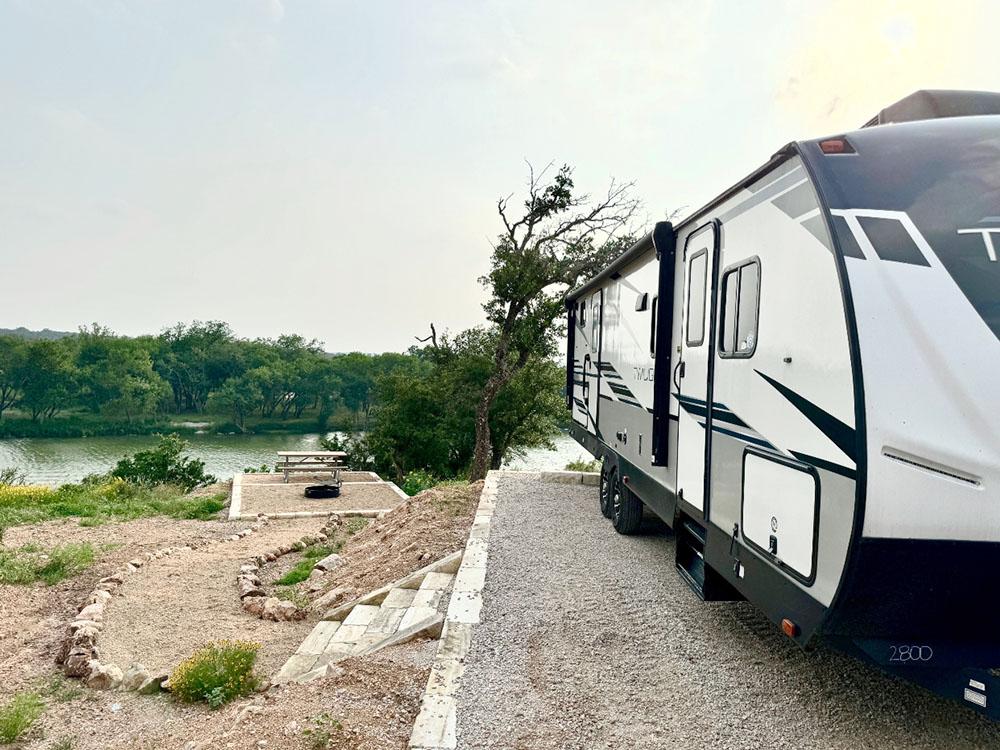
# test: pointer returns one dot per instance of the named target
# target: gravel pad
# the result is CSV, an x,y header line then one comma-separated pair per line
x,y
589,639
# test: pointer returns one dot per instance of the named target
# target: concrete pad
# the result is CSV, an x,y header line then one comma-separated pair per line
x,y
427,598
386,621
413,615
317,641
348,634
399,598
296,666
436,723
437,581
362,614
470,579
465,607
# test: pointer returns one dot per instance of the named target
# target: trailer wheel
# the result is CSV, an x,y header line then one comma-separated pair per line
x,y
626,508
607,481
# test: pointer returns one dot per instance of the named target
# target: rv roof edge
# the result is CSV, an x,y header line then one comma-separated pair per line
x,y
931,104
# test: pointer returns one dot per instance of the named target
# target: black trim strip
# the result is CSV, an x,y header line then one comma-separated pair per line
x,y
822,463
842,435
740,436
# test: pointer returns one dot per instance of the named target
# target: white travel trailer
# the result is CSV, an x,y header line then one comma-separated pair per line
x,y
798,379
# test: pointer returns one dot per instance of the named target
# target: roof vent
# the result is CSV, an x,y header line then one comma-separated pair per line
x,y
931,104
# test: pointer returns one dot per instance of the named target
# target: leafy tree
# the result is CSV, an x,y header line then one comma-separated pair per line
x,y
240,397
47,377
12,372
116,374
196,359
559,239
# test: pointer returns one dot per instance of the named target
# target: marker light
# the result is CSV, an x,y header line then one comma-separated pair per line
x,y
789,628
836,146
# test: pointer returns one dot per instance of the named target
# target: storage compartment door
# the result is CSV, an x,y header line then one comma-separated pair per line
x,y
781,511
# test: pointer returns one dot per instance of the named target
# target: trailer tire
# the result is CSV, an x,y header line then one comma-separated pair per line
x,y
608,474
626,511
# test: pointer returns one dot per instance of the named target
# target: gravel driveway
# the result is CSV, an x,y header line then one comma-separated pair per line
x,y
591,640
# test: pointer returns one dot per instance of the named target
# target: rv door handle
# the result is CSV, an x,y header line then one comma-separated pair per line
x,y
678,370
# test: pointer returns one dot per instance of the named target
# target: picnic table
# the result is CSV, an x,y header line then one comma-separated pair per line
x,y
311,462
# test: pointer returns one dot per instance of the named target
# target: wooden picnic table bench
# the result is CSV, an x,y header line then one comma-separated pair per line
x,y
311,462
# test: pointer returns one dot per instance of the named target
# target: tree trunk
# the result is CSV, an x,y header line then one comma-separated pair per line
x,y
484,443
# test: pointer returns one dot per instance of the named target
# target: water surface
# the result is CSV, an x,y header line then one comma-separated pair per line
x,y
58,460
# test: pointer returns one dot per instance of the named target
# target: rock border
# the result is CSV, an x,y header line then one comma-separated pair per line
x,y
436,726
79,654
254,599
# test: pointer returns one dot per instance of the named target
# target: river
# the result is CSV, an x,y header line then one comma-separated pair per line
x,y
55,461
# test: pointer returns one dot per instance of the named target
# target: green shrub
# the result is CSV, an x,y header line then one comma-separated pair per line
x,y
323,731
417,481
31,563
582,464
163,464
217,673
17,716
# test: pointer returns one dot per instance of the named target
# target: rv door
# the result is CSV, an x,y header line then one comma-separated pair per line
x,y
592,358
692,376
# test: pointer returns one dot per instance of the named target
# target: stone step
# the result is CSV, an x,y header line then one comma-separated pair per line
x,y
390,615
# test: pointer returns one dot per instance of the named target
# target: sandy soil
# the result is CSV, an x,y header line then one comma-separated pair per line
x,y
429,525
374,700
34,617
288,498
172,606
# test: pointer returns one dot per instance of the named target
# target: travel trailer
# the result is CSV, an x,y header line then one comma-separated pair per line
x,y
803,380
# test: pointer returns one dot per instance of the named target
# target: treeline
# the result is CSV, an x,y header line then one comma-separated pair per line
x,y
192,369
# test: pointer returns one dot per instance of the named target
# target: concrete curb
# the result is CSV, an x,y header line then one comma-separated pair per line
x,y
436,726
315,514
398,491
236,498
590,478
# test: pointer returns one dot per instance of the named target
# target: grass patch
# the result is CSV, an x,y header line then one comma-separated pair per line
x,y
310,556
293,595
323,731
353,525
97,503
60,689
31,563
17,716
583,465
216,673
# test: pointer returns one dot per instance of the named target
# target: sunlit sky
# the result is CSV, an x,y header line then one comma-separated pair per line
x,y
332,168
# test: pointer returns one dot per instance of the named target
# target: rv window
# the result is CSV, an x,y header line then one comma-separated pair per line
x,y
740,306
697,276
595,330
730,289
652,328
581,318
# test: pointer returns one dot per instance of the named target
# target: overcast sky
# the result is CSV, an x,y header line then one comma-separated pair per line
x,y
332,168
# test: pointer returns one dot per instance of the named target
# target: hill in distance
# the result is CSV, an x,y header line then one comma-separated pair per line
x,y
45,334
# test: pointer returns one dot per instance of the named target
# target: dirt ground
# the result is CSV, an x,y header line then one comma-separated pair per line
x,y
421,530
369,705
171,607
35,617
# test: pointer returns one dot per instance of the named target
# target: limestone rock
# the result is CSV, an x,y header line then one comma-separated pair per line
x,y
254,605
328,563
103,676
152,685
134,677
94,612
